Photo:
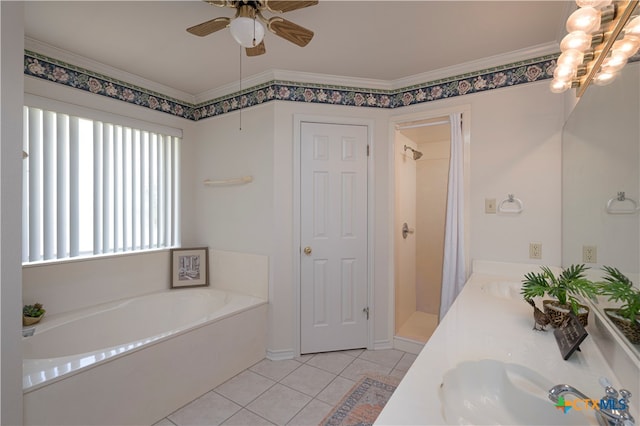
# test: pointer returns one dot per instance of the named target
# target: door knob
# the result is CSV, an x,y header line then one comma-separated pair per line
x,y
406,230
307,250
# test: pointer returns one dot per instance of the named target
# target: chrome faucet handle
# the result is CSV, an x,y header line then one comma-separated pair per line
x,y
625,394
621,416
609,390
625,417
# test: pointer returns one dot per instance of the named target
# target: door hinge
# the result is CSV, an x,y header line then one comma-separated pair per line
x,y
366,311
367,150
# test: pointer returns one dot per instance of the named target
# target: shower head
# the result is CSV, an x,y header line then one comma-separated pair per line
x,y
416,154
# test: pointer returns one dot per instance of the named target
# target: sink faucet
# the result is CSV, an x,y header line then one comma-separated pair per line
x,y
28,331
610,411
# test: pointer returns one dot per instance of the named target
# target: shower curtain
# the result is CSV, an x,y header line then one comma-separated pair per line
x,y
453,266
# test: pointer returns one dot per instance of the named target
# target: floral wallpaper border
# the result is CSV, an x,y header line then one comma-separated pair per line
x,y
523,72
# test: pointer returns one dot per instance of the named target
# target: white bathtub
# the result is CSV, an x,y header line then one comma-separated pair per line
x,y
135,361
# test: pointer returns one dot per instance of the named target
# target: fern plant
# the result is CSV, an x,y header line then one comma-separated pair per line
x,y
620,289
565,288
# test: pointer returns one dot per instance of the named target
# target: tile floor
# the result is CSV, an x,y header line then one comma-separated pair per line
x,y
300,391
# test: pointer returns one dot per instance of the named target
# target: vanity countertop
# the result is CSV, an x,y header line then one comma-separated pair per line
x,y
490,320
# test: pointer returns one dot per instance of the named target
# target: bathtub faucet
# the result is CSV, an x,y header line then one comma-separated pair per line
x,y
28,331
609,411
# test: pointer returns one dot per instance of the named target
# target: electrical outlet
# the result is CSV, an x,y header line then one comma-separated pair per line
x,y
490,205
589,254
535,250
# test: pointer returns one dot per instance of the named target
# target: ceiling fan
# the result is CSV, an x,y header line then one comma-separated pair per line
x,y
248,25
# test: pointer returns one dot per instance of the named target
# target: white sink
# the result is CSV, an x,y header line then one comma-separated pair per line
x,y
498,393
503,289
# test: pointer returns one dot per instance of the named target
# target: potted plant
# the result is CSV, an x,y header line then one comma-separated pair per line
x,y
31,314
565,288
620,289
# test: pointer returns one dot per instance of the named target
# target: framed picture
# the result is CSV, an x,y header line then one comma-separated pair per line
x,y
189,267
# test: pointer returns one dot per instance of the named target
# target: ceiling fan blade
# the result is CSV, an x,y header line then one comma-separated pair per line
x,y
209,27
290,31
258,50
288,6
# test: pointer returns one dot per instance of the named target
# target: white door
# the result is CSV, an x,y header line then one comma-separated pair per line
x,y
333,258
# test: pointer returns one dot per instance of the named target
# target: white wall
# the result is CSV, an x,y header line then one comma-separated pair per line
x,y
405,253
236,217
11,93
515,148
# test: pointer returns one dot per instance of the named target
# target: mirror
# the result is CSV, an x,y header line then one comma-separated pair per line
x,y
600,159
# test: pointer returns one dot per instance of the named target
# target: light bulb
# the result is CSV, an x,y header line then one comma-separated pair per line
x,y
615,61
588,3
564,72
593,3
247,31
576,40
633,27
627,46
558,86
603,78
571,57
585,19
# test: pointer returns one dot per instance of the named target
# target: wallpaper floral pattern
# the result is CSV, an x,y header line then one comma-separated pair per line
x,y
50,69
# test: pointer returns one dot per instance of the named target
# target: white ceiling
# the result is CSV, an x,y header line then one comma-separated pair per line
x,y
381,40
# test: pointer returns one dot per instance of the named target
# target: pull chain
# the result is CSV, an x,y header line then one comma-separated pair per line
x,y
254,31
240,94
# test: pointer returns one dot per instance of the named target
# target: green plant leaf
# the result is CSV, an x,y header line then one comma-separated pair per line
x,y
618,288
571,282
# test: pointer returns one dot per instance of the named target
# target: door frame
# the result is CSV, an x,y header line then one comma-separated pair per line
x,y
298,119
465,110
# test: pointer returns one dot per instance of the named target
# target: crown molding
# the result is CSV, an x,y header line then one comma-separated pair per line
x,y
480,66
306,78
76,60
333,80
234,87
519,67
317,80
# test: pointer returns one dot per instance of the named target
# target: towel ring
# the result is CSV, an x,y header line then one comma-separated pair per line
x,y
621,198
511,199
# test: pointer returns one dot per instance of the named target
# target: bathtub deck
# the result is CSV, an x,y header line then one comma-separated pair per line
x,y
296,392
157,377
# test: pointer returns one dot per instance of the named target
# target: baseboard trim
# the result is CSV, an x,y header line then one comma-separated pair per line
x,y
382,344
407,345
280,355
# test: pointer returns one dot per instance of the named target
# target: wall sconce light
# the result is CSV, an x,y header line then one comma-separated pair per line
x,y
602,36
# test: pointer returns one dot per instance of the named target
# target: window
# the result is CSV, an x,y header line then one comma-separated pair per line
x,y
97,186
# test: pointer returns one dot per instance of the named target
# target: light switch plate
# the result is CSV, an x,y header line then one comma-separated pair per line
x,y
490,205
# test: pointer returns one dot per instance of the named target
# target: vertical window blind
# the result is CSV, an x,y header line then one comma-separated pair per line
x,y
95,187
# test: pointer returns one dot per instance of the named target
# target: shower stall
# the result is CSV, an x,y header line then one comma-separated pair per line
x,y
422,153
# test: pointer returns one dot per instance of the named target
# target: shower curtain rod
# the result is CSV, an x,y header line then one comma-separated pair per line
x,y
414,126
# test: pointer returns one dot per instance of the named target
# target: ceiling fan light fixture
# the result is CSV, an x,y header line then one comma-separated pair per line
x,y
248,32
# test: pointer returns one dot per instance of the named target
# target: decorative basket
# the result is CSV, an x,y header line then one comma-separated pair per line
x,y
31,320
630,329
558,313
